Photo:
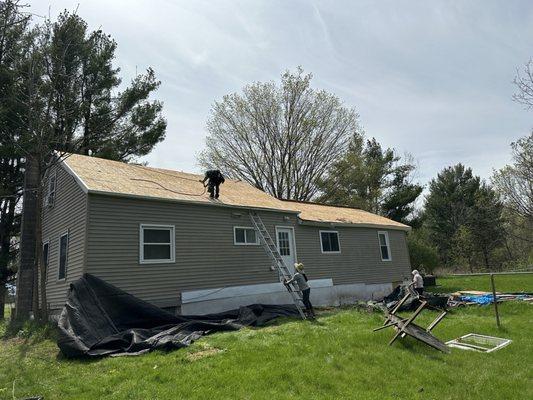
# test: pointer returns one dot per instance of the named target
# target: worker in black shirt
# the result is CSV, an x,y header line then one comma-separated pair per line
x,y
214,179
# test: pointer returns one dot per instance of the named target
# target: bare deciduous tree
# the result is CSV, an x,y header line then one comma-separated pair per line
x,y
515,182
524,83
279,138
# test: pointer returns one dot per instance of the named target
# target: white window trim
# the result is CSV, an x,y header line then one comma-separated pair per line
x,y
321,244
256,243
46,242
59,256
47,200
386,234
172,258
293,240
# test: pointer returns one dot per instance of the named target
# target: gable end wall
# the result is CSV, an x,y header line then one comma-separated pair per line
x,y
69,213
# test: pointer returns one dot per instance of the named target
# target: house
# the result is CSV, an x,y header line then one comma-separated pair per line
x,y
156,234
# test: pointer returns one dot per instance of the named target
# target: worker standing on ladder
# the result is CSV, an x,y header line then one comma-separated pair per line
x,y
215,179
301,280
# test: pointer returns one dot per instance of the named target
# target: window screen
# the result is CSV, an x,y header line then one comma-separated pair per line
x,y
63,255
330,242
157,244
384,246
245,235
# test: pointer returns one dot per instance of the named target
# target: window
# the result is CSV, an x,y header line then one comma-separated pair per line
x,y
384,246
329,241
51,191
63,256
284,243
46,252
157,244
243,235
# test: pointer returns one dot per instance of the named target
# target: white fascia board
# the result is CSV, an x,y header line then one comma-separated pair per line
x,y
80,181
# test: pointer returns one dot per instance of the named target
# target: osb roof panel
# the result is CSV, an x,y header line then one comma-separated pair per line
x,y
113,177
341,215
101,175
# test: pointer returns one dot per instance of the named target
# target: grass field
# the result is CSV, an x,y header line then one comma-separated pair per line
x,y
337,357
503,283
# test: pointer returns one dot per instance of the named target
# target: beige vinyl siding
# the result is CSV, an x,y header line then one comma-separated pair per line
x,y
206,256
359,260
68,214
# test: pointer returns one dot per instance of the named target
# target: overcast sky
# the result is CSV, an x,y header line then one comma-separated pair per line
x,y
432,78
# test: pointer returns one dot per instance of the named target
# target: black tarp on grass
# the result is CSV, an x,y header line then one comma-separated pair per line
x,y
99,319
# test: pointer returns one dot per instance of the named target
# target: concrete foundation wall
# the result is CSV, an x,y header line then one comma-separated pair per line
x,y
323,293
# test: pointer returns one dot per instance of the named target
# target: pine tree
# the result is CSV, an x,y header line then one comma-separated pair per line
x,y
451,196
67,100
373,179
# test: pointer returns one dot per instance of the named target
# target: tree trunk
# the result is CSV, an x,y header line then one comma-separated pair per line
x,y
3,293
26,272
509,253
41,273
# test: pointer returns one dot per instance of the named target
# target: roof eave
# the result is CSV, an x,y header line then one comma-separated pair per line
x,y
333,224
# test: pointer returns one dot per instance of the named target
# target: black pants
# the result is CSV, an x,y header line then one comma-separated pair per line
x,y
306,301
213,190
419,290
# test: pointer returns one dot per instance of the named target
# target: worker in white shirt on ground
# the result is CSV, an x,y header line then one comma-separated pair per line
x,y
418,282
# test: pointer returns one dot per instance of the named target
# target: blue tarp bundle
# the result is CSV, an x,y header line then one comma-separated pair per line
x,y
484,299
479,299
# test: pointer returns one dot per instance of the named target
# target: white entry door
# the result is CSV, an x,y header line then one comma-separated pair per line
x,y
286,246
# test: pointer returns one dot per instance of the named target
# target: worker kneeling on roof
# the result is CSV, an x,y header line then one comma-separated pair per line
x,y
301,280
215,179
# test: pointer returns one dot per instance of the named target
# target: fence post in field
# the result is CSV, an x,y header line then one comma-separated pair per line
x,y
495,300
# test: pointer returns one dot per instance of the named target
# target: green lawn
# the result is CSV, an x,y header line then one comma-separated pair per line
x,y
337,357
503,283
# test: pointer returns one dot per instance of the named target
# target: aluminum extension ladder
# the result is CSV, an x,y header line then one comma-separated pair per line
x,y
272,251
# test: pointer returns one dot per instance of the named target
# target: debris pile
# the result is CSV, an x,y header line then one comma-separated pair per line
x,y
475,297
407,327
436,300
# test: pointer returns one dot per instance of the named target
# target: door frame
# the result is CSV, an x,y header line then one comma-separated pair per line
x,y
293,241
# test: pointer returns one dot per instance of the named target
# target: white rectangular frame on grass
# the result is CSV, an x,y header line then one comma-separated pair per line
x,y
498,342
